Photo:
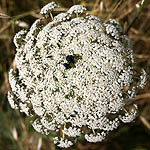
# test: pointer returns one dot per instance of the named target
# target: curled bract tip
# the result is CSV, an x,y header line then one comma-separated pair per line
x,y
47,9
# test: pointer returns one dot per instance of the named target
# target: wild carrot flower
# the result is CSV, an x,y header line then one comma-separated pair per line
x,y
75,75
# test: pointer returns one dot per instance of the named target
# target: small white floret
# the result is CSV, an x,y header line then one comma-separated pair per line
x,y
95,138
129,116
48,8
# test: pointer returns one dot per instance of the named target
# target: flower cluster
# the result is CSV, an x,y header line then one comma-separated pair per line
x,y
75,75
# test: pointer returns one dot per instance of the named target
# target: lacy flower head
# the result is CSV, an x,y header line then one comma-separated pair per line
x,y
75,75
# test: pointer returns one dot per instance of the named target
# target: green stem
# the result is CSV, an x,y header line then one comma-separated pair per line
x,y
74,2
136,17
51,16
125,110
93,131
63,135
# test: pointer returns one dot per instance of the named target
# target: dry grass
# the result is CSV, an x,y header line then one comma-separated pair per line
x,y
15,130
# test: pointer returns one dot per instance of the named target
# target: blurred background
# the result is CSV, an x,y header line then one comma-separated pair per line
x,y
16,132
